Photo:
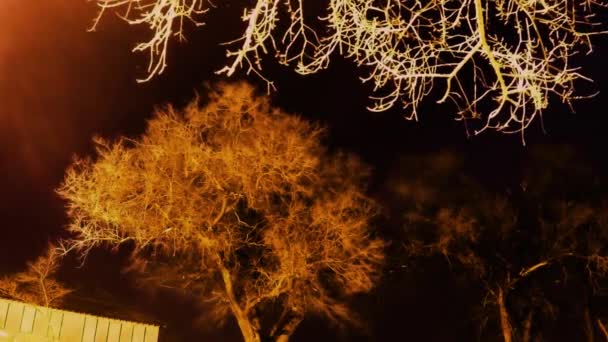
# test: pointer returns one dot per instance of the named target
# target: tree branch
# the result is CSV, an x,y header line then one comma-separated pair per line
x,y
504,317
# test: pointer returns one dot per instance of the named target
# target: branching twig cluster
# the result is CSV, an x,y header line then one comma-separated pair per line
x,y
497,60
37,284
513,244
164,18
238,199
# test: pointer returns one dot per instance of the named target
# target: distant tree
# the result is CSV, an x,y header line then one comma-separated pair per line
x,y
499,61
524,247
568,198
37,284
237,202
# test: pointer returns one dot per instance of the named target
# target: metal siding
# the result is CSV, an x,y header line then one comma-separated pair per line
x,y
27,322
126,333
103,327
151,334
3,313
114,331
55,324
13,321
139,333
90,326
24,322
41,321
72,327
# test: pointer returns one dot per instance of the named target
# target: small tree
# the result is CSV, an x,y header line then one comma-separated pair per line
x,y
242,203
519,245
499,61
37,285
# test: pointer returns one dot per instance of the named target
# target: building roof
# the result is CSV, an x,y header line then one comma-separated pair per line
x,y
25,322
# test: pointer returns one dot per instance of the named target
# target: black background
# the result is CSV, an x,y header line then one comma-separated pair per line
x,y
61,85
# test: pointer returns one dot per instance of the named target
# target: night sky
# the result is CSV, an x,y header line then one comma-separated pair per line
x,y
61,85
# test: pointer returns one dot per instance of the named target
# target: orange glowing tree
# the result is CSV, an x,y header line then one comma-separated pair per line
x,y
237,202
499,61
37,284
541,250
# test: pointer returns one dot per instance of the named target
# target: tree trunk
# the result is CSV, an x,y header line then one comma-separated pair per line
x,y
504,317
250,333
602,327
288,329
45,295
527,327
588,326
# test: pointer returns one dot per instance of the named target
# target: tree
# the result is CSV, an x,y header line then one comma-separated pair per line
x,y
499,61
533,250
237,202
37,284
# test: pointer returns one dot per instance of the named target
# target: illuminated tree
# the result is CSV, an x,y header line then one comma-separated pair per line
x,y
499,61
532,250
237,202
37,284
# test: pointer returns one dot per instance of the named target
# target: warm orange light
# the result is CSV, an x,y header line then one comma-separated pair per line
x,y
242,204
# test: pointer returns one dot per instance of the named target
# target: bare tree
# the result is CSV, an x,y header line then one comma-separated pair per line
x,y
518,245
37,284
497,60
242,203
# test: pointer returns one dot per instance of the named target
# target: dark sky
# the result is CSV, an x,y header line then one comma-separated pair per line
x,y
60,85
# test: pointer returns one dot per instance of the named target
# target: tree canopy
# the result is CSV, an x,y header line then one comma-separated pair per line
x,y
37,284
238,202
537,250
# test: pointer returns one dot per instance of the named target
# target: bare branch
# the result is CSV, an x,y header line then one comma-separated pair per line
x,y
236,201
37,285
499,61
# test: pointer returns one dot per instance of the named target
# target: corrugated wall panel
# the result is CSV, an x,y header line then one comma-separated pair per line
x,y
90,327
27,321
114,331
103,327
13,320
139,333
126,333
151,334
3,313
72,327
41,321
39,324
55,322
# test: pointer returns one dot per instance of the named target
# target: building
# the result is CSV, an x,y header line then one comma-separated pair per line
x,y
21,322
